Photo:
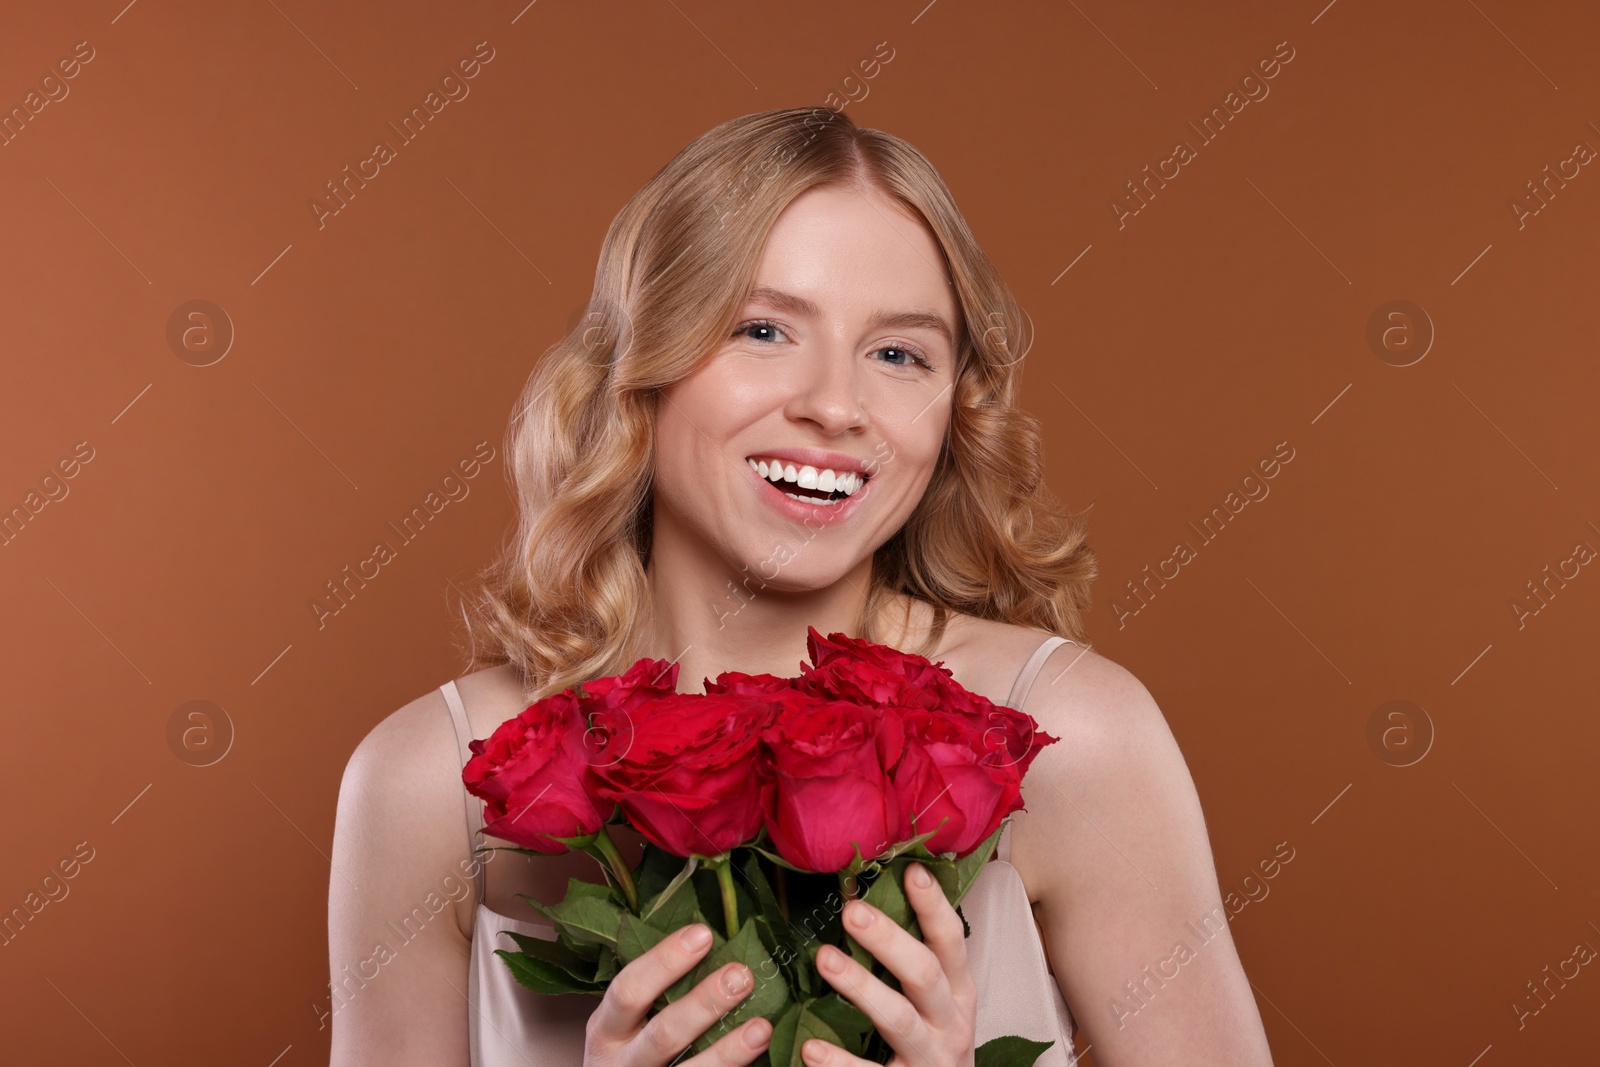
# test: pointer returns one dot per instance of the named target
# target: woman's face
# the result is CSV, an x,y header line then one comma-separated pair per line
x,y
836,376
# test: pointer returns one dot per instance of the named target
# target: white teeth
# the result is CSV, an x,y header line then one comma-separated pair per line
x,y
807,477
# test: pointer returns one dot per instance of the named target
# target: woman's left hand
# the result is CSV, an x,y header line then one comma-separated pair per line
x,y
930,1024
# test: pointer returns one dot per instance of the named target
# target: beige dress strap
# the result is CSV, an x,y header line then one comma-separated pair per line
x,y
1019,696
1017,993
474,806
1030,670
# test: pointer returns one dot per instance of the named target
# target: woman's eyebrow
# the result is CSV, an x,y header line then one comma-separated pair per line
x,y
903,320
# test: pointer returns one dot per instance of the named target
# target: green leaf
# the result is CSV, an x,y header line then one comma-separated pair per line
x,y
679,910
856,865
968,867
577,888
1009,1051
788,953
607,966
648,911
888,895
769,997
543,977
779,860
579,966
635,937
655,870
781,1050
798,1025
845,1019
912,846
924,836
578,945
946,874
588,913
756,879
510,848
778,933
578,843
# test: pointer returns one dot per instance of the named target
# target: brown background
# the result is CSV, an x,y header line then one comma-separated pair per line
x,y
1230,314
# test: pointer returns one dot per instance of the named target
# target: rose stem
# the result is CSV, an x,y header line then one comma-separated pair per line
x,y
619,868
783,890
730,903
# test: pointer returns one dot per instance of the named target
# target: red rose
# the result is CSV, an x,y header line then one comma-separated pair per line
x,y
826,790
949,772
684,769
1011,738
530,773
965,756
941,784
848,668
641,683
759,686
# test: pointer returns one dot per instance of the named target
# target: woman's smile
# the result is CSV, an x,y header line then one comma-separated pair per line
x,y
783,487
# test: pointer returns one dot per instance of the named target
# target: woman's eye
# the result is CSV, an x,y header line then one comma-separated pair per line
x,y
769,332
906,357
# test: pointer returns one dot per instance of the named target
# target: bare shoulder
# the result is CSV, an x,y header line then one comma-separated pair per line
x,y
401,802
400,895
987,655
491,696
1117,764
1114,749
1114,852
401,813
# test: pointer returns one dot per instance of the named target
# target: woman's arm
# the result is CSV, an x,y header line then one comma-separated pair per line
x,y
1114,850
396,950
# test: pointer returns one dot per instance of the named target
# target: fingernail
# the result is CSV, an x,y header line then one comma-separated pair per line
x,y
830,959
696,937
816,1052
756,1033
861,915
736,981
919,875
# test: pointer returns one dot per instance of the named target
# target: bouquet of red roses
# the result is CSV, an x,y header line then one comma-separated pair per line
x,y
764,803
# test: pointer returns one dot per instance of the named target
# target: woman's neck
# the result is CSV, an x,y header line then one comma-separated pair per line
x,y
708,622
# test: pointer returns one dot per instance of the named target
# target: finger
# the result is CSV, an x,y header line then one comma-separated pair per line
x,y
918,968
942,930
680,1023
738,1047
632,993
897,1020
820,1053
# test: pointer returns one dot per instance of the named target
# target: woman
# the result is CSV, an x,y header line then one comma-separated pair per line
x,y
792,404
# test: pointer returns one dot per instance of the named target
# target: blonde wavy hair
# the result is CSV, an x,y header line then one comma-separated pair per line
x,y
567,597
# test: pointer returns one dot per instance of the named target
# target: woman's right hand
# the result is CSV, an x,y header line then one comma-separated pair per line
x,y
622,1033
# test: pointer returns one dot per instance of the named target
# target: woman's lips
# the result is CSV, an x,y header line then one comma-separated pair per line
x,y
805,512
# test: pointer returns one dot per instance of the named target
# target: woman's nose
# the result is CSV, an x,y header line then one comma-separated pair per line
x,y
828,392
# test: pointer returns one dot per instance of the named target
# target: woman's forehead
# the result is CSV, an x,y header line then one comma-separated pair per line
x,y
838,248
